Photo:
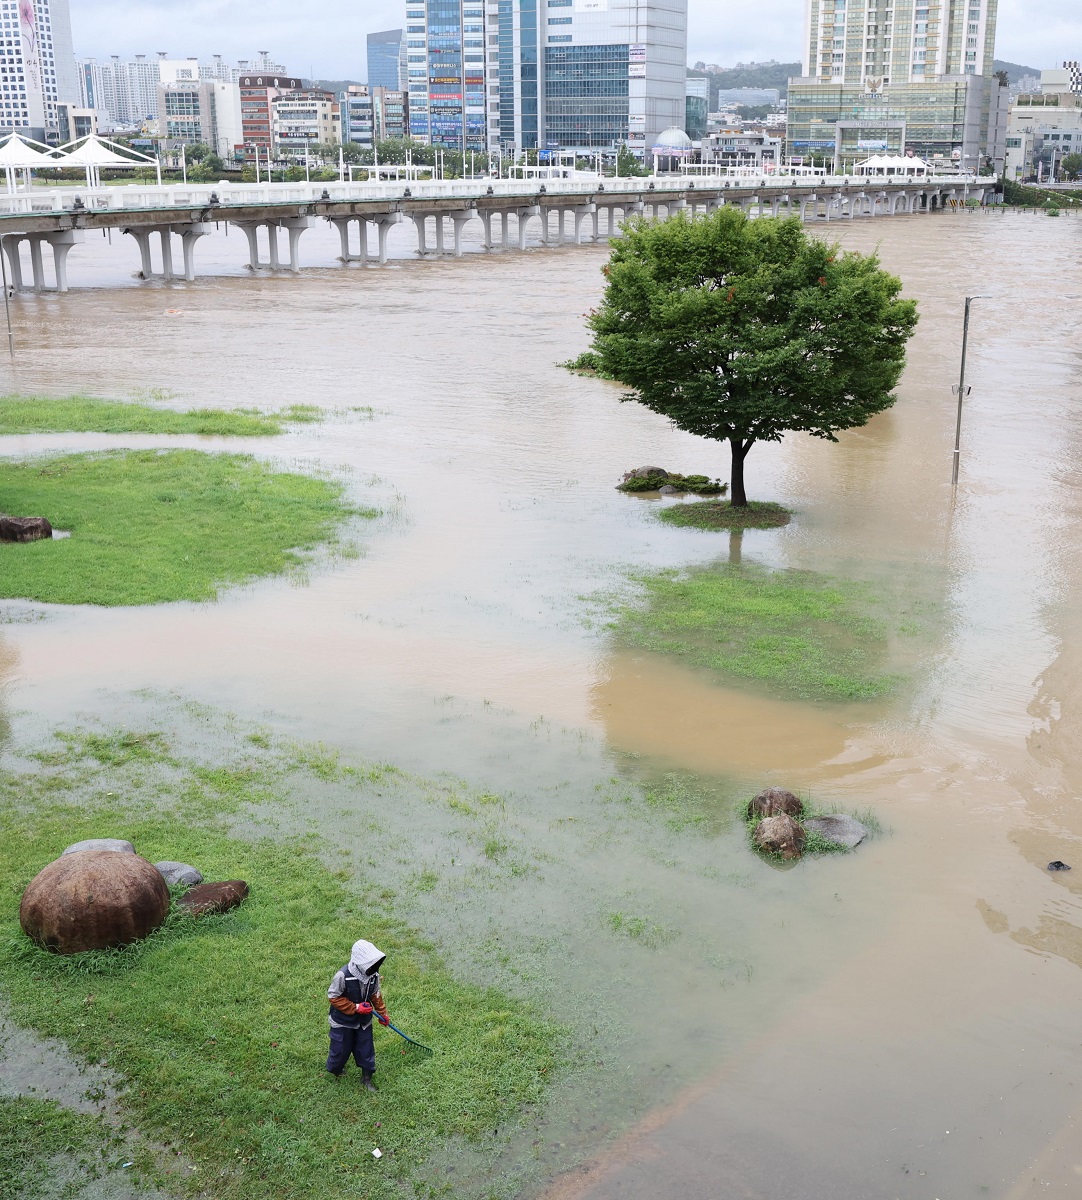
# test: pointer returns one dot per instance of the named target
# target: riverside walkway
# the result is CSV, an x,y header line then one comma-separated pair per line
x,y
565,210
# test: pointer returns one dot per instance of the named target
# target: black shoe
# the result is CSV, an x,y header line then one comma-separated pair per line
x,y
366,1082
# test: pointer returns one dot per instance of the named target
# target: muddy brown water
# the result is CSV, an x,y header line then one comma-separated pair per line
x,y
899,1023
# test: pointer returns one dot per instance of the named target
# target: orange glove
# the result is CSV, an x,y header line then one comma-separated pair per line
x,y
364,1010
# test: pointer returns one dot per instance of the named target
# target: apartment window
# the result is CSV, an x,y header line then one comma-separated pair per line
x,y
837,58
559,37
560,20
971,56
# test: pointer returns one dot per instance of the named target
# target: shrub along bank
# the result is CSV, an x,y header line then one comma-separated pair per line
x,y
218,1025
801,634
149,526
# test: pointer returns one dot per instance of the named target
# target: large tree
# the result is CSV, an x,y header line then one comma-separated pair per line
x,y
744,330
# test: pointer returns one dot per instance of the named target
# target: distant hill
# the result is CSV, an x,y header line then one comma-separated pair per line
x,y
777,76
1015,71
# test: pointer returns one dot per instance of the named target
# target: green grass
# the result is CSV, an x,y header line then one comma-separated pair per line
x,y
149,526
799,633
218,1025
86,414
720,514
49,1151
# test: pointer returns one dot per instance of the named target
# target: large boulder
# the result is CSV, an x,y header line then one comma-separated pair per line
x,y
838,828
24,529
213,897
646,473
117,845
780,835
92,899
775,801
177,874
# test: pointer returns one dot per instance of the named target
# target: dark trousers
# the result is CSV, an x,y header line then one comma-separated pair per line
x,y
345,1042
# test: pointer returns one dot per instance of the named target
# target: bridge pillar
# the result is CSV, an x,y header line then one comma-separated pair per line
x,y
486,221
294,227
459,220
581,213
62,243
420,223
525,212
189,235
383,227
342,224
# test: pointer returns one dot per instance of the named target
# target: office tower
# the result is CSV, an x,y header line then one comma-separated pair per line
x,y
387,60
445,63
898,75
696,106
588,75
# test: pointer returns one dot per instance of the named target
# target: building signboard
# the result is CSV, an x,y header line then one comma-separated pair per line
x,y
636,54
636,70
31,39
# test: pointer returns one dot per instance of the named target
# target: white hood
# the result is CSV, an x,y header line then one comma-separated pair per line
x,y
365,958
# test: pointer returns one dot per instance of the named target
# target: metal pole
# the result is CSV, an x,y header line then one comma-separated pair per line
x,y
961,393
7,301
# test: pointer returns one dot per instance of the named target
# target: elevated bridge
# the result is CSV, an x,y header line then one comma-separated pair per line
x,y
559,210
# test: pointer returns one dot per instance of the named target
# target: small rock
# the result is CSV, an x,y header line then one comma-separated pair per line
x,y
646,472
178,874
24,529
780,835
213,897
117,844
667,489
773,802
1058,866
839,828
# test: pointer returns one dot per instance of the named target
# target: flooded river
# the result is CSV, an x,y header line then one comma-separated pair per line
x,y
901,1022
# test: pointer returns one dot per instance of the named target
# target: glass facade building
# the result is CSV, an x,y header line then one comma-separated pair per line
x,y
387,59
587,75
445,70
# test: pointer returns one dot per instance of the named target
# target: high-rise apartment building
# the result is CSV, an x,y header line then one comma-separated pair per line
x,y
587,75
387,59
31,31
897,75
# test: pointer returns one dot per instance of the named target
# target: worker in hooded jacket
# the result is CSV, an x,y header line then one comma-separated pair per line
x,y
355,998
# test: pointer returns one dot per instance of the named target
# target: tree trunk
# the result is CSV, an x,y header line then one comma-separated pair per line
x,y
737,496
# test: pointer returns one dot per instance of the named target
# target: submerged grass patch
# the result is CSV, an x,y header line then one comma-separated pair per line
x,y
802,634
149,526
720,514
87,414
218,1026
50,1151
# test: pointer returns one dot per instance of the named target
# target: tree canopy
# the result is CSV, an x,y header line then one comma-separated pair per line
x,y
744,330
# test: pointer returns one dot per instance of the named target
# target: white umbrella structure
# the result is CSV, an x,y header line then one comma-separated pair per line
x,y
94,152
22,154
893,164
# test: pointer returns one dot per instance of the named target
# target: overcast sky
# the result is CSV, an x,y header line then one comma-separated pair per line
x,y
328,39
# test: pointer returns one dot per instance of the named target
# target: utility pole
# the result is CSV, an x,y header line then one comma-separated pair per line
x,y
962,391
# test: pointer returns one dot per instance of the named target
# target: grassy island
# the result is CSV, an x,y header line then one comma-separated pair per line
x,y
149,526
217,1027
720,514
799,633
87,414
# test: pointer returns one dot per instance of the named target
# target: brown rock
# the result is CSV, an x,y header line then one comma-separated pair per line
x,y
92,899
213,897
780,835
646,473
24,529
775,801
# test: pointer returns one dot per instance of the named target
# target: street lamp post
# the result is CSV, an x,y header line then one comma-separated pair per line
x,y
962,391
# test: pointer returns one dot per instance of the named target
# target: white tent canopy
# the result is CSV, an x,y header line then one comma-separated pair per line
x,y
892,164
21,154
94,152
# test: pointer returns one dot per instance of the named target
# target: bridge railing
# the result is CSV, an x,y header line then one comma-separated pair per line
x,y
203,195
